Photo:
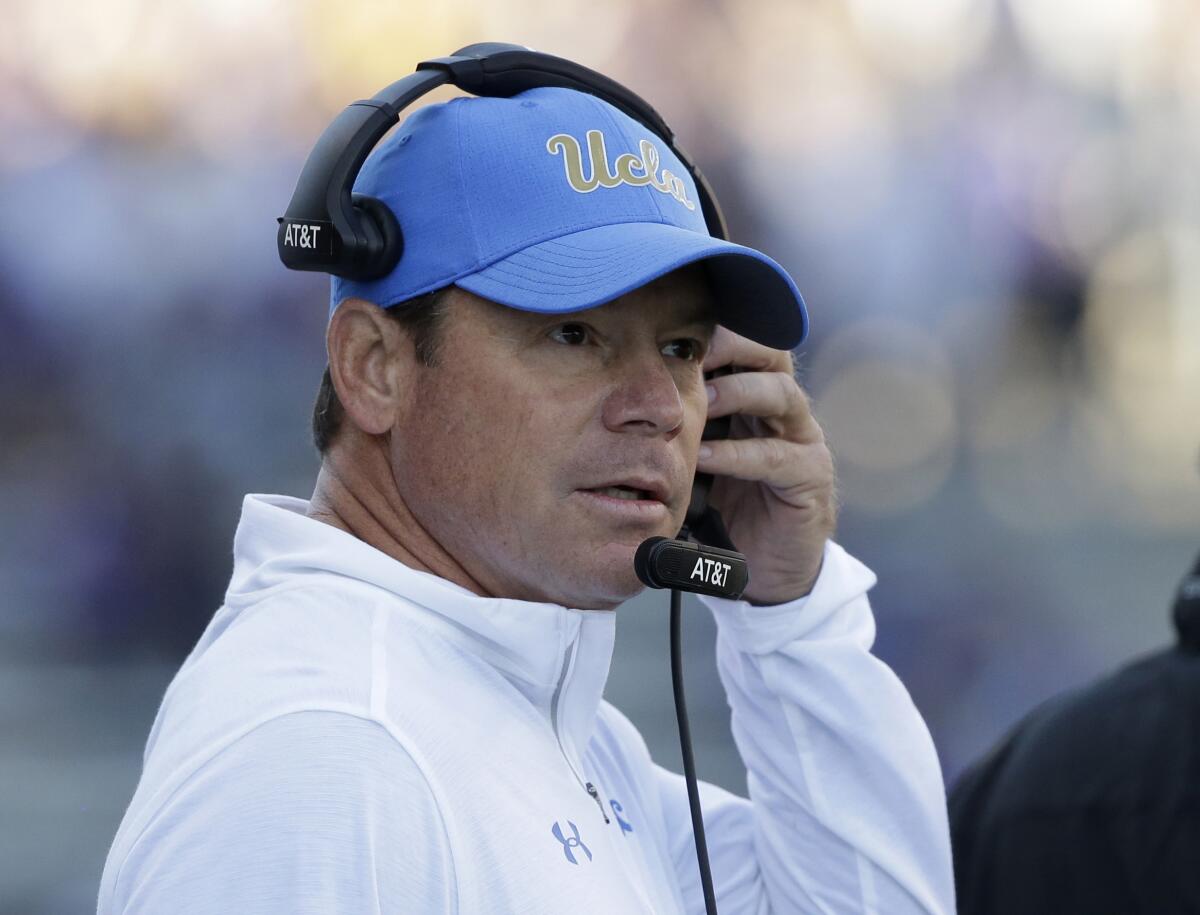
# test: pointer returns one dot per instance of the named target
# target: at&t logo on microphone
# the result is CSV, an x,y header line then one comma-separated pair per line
x,y
710,571
699,569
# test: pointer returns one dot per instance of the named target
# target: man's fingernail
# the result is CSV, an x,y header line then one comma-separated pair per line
x,y
711,391
705,451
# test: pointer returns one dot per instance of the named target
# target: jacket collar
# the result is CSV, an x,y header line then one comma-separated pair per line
x,y
552,654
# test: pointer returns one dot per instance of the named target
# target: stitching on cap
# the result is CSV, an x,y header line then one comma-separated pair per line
x,y
462,181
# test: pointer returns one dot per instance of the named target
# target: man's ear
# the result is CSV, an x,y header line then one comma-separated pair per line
x,y
370,363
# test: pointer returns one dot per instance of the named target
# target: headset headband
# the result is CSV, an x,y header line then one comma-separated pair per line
x,y
359,237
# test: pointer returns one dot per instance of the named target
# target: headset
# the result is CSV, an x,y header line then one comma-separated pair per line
x,y
361,238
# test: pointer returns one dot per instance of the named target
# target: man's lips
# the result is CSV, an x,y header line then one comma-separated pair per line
x,y
639,499
627,508
633,489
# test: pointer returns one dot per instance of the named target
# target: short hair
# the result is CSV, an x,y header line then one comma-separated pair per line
x,y
421,317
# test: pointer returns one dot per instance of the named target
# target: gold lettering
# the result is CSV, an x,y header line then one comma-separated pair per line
x,y
664,183
679,190
600,159
624,166
625,170
650,157
572,161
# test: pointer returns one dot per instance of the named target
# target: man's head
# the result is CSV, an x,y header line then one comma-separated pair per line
x,y
560,373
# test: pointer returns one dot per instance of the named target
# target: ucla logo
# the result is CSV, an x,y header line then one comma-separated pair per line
x,y
569,845
628,169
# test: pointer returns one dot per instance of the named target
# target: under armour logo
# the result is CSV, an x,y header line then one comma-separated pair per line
x,y
571,843
617,810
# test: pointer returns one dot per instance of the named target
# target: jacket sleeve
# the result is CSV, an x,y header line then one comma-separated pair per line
x,y
847,809
310,812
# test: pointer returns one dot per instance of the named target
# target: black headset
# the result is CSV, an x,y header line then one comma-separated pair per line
x,y
359,237
329,228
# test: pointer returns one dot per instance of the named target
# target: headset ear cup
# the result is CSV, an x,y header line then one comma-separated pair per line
x,y
384,240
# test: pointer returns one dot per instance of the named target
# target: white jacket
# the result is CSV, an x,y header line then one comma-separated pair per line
x,y
351,735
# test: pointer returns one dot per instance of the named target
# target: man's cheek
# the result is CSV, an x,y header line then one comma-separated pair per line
x,y
691,438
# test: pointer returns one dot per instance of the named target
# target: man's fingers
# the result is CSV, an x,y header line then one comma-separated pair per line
x,y
782,465
773,397
728,348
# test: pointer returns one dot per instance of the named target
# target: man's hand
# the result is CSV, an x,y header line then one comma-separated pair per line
x,y
774,482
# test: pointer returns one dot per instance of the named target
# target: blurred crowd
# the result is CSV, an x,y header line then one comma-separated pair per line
x,y
992,208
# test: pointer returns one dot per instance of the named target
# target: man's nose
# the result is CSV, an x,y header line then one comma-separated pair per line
x,y
645,398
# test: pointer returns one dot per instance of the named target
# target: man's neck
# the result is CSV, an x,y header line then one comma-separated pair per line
x,y
356,492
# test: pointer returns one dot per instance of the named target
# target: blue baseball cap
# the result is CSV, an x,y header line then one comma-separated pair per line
x,y
554,201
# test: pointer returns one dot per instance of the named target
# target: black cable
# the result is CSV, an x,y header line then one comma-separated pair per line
x,y
685,746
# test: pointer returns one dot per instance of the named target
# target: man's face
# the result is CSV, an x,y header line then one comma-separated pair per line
x,y
541,450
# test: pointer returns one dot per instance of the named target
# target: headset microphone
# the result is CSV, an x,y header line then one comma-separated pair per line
x,y
664,563
683,566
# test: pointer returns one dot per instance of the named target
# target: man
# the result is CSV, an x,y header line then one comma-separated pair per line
x,y
398,708
1092,803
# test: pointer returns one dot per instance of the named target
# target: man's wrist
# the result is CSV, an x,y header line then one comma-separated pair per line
x,y
759,629
774,600
785,592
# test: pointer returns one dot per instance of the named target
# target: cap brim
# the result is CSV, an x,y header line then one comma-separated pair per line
x,y
755,296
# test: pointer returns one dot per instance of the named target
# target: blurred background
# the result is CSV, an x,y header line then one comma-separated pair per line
x,y
992,207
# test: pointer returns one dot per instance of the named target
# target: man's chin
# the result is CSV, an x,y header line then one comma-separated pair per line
x,y
595,571
606,579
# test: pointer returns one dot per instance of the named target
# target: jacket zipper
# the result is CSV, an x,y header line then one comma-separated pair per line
x,y
558,690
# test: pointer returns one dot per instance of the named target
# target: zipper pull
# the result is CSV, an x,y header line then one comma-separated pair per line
x,y
591,789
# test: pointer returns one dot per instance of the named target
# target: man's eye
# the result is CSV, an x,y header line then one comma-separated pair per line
x,y
684,348
570,334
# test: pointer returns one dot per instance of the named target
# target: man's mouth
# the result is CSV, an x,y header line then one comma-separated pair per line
x,y
634,497
624,492
634,487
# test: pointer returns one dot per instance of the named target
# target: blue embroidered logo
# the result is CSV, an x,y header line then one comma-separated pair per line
x,y
617,810
571,843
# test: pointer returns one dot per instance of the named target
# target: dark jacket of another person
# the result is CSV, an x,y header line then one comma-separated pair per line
x,y
1092,803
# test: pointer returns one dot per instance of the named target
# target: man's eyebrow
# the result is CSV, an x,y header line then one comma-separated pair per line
x,y
708,328
705,319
